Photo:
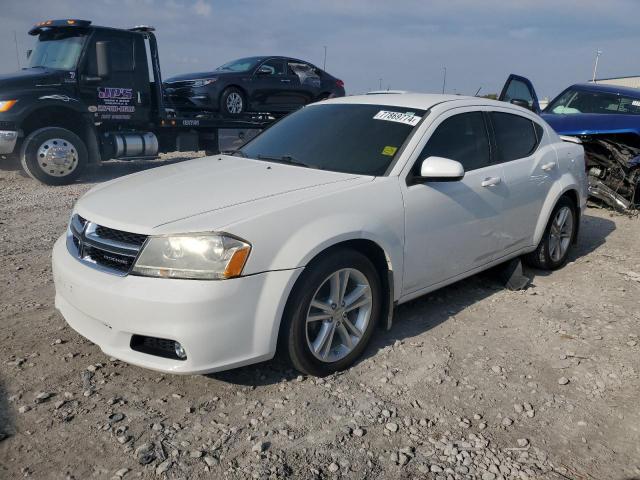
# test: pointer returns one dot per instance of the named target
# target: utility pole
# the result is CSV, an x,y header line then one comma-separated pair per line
x,y
324,63
444,78
15,41
595,66
380,87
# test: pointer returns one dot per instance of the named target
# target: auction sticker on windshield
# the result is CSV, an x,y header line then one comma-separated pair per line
x,y
407,118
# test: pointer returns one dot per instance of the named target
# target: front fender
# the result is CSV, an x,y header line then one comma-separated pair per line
x,y
305,245
290,237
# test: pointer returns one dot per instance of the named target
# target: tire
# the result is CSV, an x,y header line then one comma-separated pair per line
x,y
37,157
299,336
233,102
546,256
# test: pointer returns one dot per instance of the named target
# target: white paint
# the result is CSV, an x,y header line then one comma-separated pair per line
x,y
433,234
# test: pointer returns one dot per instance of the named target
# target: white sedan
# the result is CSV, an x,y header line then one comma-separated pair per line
x,y
307,238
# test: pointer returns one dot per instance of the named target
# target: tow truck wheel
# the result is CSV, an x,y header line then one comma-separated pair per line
x,y
54,156
232,102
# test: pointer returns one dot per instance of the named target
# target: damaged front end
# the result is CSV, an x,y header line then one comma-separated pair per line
x,y
613,167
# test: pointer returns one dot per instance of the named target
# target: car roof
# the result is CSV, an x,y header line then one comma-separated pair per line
x,y
279,57
606,88
421,101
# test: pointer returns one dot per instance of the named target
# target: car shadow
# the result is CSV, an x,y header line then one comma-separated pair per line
x,y
7,421
593,234
427,312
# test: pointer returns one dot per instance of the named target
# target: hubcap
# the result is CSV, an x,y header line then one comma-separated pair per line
x,y
57,157
338,315
560,234
234,103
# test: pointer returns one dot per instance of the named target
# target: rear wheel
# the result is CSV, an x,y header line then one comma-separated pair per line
x,y
53,155
232,102
553,250
332,313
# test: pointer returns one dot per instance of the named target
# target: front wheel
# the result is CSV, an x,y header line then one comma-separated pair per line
x,y
232,102
332,313
553,250
53,155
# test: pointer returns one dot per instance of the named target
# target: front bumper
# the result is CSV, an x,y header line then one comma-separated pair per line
x,y
221,324
8,139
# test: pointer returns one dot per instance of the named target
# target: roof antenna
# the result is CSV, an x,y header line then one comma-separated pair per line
x,y
477,92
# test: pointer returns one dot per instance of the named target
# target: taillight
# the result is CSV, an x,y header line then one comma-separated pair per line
x,y
340,83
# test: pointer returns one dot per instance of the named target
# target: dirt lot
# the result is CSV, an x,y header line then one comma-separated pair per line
x,y
473,381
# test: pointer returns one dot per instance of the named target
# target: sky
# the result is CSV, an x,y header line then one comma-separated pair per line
x,y
399,44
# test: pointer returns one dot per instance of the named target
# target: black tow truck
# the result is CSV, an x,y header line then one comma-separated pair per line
x,y
92,94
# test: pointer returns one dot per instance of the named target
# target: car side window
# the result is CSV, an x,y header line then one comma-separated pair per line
x,y
274,66
462,138
516,136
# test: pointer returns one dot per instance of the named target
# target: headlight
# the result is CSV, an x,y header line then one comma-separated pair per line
x,y
203,82
5,105
198,256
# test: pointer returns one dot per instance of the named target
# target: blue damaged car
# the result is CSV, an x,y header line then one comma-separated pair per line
x,y
606,120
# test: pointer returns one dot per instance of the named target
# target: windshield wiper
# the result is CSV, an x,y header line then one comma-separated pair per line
x,y
236,153
286,159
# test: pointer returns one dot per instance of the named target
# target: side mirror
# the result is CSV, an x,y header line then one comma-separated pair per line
x,y
29,52
264,70
521,103
103,60
439,169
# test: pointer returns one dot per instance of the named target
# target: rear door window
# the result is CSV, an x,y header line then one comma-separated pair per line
x,y
274,66
516,136
462,138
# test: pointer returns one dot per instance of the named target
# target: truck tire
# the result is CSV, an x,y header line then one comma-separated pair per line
x,y
233,102
53,156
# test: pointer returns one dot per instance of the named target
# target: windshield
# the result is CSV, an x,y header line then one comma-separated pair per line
x,y
349,138
240,65
58,49
580,101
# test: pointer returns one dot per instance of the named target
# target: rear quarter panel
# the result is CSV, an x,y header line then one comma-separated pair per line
x,y
571,176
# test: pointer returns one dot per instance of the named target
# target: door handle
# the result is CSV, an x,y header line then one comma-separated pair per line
x,y
491,181
285,80
547,167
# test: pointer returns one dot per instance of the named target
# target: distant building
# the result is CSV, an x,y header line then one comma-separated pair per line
x,y
633,82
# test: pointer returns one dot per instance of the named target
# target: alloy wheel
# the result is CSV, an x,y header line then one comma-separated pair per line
x,y
560,233
338,315
234,103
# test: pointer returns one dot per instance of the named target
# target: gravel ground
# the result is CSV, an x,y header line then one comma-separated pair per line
x,y
473,381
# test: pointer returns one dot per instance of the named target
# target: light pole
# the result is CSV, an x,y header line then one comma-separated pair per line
x,y
324,63
595,66
15,41
380,88
444,78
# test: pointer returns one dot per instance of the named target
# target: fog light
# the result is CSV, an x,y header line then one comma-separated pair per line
x,y
180,351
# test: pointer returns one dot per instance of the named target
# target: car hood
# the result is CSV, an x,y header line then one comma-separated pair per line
x,y
590,123
155,198
28,78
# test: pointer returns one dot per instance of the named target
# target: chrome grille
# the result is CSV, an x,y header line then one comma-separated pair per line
x,y
103,248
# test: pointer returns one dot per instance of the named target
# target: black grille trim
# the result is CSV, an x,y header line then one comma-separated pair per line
x,y
120,236
106,249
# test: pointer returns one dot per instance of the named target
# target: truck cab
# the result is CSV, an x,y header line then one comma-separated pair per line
x,y
94,93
